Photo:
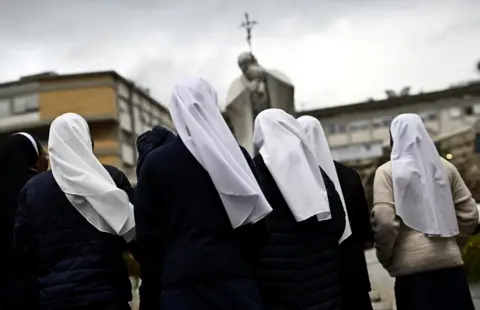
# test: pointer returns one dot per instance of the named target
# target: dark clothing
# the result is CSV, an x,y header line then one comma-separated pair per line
x,y
191,256
18,156
150,140
71,264
444,289
299,263
354,272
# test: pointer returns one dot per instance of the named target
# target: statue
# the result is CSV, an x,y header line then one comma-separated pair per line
x,y
255,90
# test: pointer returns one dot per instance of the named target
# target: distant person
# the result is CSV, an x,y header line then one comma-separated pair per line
x,y
355,279
422,210
22,157
299,263
73,225
197,200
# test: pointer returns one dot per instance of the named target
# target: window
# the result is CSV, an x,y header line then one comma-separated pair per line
x,y
468,110
145,118
123,90
381,122
428,116
337,128
358,126
122,105
31,103
387,122
19,105
125,137
476,108
4,107
455,112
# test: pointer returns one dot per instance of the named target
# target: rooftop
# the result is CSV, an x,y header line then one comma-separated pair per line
x,y
472,88
52,76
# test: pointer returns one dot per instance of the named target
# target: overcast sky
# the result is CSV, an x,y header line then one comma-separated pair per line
x,y
335,51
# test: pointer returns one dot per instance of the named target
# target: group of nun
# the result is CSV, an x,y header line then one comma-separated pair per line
x,y
213,228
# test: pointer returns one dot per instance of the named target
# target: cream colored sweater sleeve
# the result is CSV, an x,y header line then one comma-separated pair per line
x,y
384,219
465,205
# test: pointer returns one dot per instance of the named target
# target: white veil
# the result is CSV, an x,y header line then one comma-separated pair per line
x,y
84,180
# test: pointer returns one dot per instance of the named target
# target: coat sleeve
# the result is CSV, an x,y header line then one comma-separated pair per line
x,y
385,221
23,250
252,236
365,231
151,217
122,182
465,206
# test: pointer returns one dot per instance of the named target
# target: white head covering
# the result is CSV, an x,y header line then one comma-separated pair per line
x,y
204,132
422,194
31,139
84,180
290,159
315,134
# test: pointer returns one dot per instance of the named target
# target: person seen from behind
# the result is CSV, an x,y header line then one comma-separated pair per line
x,y
347,182
299,262
422,213
73,224
196,205
23,157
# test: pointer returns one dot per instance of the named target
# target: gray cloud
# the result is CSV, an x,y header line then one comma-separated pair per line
x,y
335,51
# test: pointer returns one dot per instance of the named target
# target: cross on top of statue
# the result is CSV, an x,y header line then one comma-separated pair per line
x,y
248,25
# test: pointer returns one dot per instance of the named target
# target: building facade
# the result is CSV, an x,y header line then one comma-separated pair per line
x,y
116,110
361,131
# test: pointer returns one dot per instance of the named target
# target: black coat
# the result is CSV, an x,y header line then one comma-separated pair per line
x,y
355,279
69,262
299,264
18,156
191,258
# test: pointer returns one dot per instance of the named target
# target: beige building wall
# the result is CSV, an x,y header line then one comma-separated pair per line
x,y
366,127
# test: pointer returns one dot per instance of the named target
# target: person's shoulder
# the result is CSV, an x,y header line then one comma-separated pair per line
x,y
450,170
448,166
343,168
40,183
384,171
41,178
386,167
167,155
112,169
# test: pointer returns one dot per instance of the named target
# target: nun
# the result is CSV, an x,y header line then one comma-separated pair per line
x,y
196,205
150,140
299,262
347,182
23,157
73,224
422,210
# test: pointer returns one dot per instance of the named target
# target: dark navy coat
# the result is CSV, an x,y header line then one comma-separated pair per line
x,y
355,279
71,264
299,264
191,258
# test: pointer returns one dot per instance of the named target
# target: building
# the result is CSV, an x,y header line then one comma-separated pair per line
x,y
360,131
116,109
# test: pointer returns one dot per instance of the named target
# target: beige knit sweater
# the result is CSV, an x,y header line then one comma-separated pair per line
x,y
404,251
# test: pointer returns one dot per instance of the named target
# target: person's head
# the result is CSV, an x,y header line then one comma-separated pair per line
x,y
278,122
313,130
406,130
150,140
70,129
194,101
24,147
